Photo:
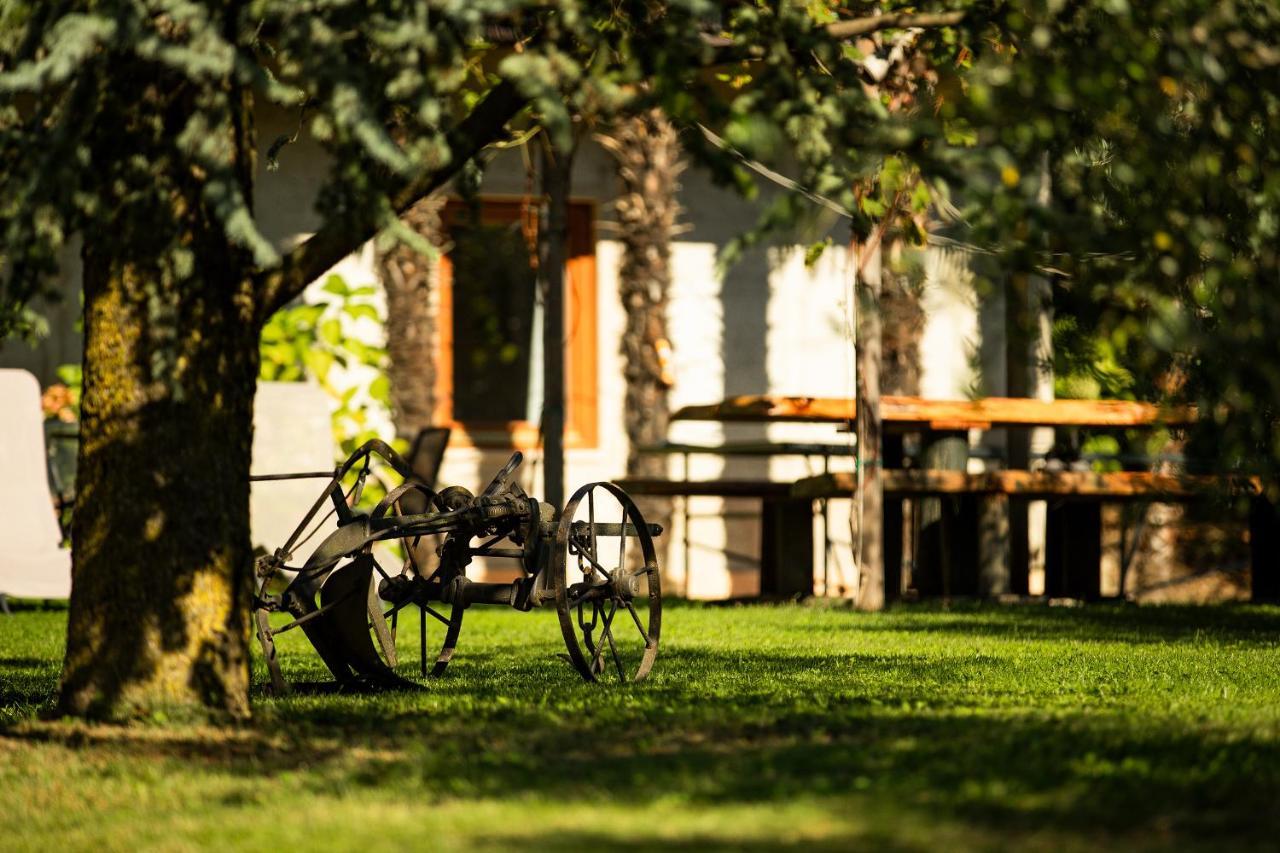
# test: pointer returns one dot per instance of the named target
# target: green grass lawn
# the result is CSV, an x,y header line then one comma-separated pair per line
x,y
761,727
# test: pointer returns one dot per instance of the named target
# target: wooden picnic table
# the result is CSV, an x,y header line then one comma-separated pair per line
x,y
1077,496
1071,485
913,413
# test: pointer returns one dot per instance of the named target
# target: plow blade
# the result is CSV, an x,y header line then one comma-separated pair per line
x,y
339,628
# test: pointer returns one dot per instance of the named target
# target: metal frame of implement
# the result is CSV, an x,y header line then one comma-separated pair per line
x,y
333,599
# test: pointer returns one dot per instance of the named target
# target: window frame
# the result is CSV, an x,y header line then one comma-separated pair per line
x,y
581,331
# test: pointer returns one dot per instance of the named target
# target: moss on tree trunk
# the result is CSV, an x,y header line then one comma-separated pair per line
x,y
162,565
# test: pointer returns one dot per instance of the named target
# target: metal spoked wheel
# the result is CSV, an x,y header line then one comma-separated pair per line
x,y
445,625
607,585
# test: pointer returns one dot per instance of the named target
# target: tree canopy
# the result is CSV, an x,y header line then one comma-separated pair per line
x,y
1154,126
1150,123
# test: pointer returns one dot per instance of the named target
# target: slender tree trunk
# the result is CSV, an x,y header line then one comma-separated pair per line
x,y
903,321
870,500
409,280
162,565
553,255
647,150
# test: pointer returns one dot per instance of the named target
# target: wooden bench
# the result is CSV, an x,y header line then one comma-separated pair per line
x,y
786,530
1074,549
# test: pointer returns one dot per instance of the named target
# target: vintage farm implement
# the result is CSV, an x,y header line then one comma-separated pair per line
x,y
608,595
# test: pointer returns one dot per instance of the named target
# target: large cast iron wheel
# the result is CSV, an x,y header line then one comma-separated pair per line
x,y
448,626
607,585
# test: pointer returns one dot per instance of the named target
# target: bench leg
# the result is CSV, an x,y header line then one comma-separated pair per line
x,y
892,454
893,536
1264,550
786,548
993,545
1073,546
946,563
1019,546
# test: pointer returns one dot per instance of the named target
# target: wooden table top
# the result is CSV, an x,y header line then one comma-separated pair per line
x,y
1109,485
917,412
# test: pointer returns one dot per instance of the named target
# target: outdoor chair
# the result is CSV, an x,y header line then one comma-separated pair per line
x,y
33,564
292,431
63,442
425,458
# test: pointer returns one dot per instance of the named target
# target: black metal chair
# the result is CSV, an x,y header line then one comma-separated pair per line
x,y
425,458
62,443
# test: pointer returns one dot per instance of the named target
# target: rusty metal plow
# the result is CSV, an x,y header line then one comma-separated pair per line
x,y
607,592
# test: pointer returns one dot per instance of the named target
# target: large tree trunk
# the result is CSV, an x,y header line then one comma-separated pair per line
x,y
162,577
409,279
162,569
162,565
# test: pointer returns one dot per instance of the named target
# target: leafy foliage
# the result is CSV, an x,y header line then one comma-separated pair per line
x,y
316,341
1138,144
1129,148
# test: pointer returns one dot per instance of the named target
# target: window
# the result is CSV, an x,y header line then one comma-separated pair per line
x,y
489,380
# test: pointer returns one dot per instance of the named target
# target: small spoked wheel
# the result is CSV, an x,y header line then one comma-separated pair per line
x,y
440,640
608,592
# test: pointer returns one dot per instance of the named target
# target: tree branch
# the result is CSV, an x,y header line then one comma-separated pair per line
x,y
726,52
894,21
337,239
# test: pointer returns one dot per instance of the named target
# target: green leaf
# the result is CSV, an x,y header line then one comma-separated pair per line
x,y
380,390
815,251
318,362
331,332
873,207
362,309
70,374
336,285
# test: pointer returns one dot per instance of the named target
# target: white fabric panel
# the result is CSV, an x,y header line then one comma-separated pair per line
x,y
32,565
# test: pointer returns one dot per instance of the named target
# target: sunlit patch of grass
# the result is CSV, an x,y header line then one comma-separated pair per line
x,y
767,726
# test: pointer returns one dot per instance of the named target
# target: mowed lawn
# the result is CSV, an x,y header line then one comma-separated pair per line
x,y
812,727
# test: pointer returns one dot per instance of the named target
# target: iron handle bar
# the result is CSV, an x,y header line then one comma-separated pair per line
x,y
298,475
471,592
613,529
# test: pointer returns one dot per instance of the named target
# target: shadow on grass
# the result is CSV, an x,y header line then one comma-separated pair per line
x,y
1128,623
477,736
23,665
576,842
897,731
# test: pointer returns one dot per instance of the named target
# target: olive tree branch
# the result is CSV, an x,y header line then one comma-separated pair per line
x,y
338,238
726,51
895,21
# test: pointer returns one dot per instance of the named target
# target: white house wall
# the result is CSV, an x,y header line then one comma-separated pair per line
x,y
766,325
950,344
